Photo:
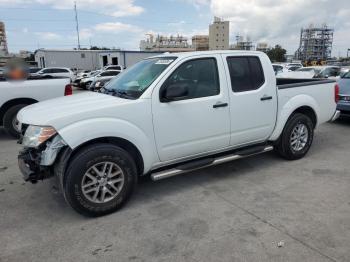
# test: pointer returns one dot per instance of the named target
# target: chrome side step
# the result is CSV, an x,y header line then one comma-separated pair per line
x,y
206,163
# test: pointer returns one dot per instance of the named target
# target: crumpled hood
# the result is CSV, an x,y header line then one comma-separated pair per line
x,y
63,111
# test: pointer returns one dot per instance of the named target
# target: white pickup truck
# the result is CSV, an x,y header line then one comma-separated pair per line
x,y
168,115
14,95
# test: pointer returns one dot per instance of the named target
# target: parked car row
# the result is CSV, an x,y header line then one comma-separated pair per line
x,y
86,79
85,82
333,72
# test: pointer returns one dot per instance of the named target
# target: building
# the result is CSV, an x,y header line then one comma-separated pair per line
x,y
162,43
242,44
315,44
200,42
219,34
262,47
89,59
3,41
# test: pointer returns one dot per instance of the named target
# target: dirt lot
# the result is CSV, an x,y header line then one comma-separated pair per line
x,y
234,212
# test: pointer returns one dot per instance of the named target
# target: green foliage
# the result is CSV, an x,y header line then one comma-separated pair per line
x,y
277,54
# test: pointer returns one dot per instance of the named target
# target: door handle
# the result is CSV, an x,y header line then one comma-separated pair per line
x,y
266,97
220,104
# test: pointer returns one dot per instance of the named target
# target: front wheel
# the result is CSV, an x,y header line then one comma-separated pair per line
x,y
100,179
296,138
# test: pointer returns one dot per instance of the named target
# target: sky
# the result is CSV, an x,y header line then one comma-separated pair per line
x,y
33,24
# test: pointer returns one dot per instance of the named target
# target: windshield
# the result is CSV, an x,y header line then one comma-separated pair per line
x,y
346,75
135,80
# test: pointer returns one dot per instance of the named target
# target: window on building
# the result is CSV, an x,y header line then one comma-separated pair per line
x,y
246,73
82,55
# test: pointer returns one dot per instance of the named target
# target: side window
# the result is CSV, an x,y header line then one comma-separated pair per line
x,y
246,73
59,70
47,71
199,76
257,73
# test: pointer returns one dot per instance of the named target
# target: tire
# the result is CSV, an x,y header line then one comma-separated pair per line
x,y
10,118
286,145
86,85
83,166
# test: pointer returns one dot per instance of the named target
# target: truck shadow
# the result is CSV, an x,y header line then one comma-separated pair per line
x,y
149,192
343,120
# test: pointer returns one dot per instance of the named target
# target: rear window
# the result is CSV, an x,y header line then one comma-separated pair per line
x,y
246,73
110,73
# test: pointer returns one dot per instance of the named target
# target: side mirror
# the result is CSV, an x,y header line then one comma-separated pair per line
x,y
174,92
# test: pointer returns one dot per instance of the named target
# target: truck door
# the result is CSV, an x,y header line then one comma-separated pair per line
x,y
190,109
253,99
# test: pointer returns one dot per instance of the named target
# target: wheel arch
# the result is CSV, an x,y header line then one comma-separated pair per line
x,y
13,102
299,104
67,154
121,142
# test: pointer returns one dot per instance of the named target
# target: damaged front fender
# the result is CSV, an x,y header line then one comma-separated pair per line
x,y
48,156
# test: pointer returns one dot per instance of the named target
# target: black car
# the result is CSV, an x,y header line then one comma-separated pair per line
x,y
99,83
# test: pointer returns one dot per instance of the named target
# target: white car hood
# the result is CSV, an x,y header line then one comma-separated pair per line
x,y
63,111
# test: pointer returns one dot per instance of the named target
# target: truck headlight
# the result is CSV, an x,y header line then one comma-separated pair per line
x,y
36,135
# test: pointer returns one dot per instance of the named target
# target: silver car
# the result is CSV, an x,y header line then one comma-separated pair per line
x,y
344,94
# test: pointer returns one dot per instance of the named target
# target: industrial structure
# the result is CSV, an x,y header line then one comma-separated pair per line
x,y
200,42
3,41
315,44
162,43
219,34
89,59
262,47
242,44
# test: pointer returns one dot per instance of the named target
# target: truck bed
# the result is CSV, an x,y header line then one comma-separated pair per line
x,y
283,83
316,93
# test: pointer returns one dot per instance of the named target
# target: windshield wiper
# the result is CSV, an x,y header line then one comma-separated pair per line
x,y
123,94
118,93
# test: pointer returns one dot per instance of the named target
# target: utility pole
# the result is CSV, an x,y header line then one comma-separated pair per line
x,y
77,23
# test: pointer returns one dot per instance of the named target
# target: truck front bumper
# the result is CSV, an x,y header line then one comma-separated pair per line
x,y
29,165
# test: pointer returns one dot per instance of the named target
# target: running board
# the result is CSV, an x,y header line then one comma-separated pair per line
x,y
210,161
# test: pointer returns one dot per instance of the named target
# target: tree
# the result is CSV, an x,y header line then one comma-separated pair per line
x,y
277,54
31,57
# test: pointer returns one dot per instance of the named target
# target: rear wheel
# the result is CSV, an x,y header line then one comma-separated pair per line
x,y
100,179
296,138
10,120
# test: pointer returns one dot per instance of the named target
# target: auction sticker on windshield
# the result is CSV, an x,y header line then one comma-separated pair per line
x,y
164,62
